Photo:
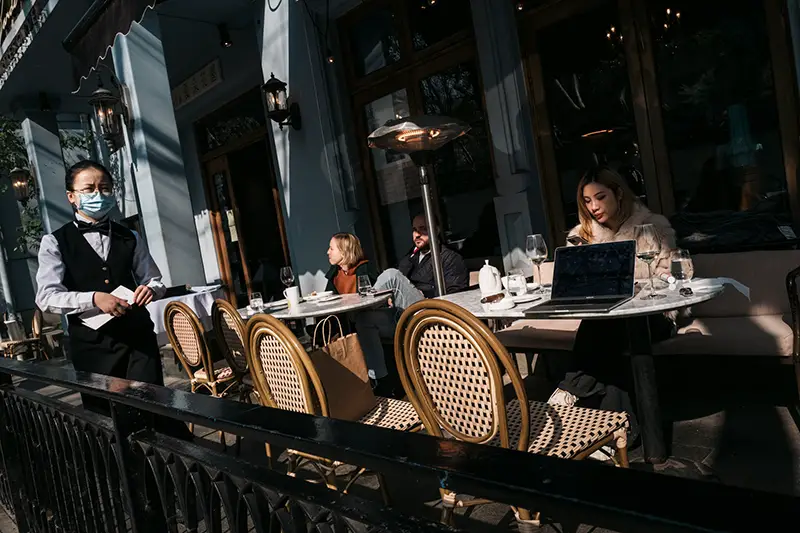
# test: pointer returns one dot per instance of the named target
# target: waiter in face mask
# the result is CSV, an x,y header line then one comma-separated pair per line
x,y
80,264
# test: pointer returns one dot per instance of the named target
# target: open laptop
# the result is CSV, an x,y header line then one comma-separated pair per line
x,y
591,278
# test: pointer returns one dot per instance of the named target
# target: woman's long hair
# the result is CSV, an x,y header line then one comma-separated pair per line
x,y
625,197
350,246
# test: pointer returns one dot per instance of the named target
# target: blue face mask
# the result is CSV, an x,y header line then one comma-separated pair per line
x,y
96,205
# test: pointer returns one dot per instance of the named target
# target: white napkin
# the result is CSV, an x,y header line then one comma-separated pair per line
x,y
205,288
95,319
710,283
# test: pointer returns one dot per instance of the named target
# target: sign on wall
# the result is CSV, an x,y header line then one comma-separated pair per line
x,y
197,84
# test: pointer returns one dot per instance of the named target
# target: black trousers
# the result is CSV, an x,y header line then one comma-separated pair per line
x,y
124,348
600,375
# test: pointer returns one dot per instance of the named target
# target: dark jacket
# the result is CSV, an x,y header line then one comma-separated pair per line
x,y
456,276
364,269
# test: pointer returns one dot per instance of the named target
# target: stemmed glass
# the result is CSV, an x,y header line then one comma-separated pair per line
x,y
648,247
536,250
287,276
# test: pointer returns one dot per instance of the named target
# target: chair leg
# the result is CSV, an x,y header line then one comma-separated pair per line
x,y
383,489
449,499
621,443
527,522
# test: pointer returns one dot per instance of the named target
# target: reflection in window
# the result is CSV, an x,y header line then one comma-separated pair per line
x,y
589,101
720,121
397,178
432,22
374,42
463,168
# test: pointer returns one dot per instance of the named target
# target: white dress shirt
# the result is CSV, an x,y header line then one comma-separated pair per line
x,y
53,297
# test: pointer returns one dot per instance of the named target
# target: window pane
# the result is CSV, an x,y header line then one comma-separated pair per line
x,y
463,169
374,42
721,123
432,22
231,122
396,176
588,98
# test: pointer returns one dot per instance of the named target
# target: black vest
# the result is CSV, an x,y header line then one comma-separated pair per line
x,y
86,271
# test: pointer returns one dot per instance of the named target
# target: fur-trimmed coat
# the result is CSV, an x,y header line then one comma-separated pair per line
x,y
641,215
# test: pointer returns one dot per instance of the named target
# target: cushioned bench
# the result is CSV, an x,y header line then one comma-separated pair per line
x,y
728,325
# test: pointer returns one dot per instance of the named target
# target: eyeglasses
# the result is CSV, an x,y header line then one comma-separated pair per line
x,y
105,190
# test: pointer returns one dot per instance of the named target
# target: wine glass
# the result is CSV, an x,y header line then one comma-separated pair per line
x,y
536,250
648,247
681,267
256,301
287,276
364,285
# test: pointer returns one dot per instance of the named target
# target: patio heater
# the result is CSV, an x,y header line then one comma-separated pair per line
x,y
419,137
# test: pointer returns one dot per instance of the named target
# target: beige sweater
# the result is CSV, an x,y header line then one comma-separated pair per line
x,y
641,215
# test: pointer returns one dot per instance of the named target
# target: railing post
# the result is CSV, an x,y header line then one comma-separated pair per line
x,y
12,460
146,516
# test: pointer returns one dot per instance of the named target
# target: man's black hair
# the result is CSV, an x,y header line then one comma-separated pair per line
x,y
86,164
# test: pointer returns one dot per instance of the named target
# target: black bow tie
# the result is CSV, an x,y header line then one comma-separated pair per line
x,y
99,227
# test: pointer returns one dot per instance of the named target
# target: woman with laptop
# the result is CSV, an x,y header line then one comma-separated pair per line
x,y
608,211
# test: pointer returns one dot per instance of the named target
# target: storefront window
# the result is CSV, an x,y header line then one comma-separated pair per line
x,y
374,42
433,22
585,75
720,122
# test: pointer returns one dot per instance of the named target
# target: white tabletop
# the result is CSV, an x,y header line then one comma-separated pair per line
x,y
346,304
199,302
638,306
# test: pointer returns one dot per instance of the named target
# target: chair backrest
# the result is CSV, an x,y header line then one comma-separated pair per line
x,y
231,335
187,336
451,367
282,371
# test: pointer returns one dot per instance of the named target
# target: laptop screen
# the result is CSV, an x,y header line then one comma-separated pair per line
x,y
599,270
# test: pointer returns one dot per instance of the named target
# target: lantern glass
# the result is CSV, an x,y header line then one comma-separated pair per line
x,y
20,182
106,117
276,100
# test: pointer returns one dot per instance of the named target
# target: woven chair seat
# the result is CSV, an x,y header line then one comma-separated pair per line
x,y
562,431
391,414
221,372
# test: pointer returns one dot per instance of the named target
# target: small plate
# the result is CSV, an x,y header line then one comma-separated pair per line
x,y
525,298
533,286
318,296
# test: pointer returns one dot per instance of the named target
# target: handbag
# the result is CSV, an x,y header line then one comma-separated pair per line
x,y
340,364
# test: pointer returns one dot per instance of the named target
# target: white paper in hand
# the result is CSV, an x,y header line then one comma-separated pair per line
x,y
96,319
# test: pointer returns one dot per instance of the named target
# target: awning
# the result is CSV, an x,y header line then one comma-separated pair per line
x,y
92,38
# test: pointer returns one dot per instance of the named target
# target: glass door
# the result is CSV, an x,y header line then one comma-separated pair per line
x,y
587,103
234,270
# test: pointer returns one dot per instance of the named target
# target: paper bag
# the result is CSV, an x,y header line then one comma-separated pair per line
x,y
341,368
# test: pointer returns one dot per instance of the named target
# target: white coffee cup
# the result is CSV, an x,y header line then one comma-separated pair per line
x,y
292,294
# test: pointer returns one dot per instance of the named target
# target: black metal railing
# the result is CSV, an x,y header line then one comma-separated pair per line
x,y
65,469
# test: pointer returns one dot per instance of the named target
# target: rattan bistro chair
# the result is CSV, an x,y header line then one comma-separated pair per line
x,y
285,378
187,336
451,366
231,338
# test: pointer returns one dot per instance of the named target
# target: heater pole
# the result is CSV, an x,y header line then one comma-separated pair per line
x,y
433,231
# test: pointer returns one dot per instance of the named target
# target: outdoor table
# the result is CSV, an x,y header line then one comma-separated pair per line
x,y
635,312
200,302
348,303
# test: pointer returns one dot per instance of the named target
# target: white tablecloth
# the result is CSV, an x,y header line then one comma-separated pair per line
x,y
200,303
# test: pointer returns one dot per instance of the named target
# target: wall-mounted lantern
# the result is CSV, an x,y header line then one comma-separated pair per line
x,y
278,108
21,181
110,112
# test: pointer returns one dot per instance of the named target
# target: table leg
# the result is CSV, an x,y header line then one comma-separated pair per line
x,y
644,377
